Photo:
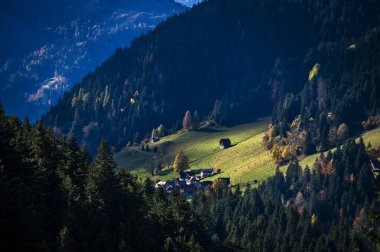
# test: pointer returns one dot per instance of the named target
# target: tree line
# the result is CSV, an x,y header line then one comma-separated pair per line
x,y
54,197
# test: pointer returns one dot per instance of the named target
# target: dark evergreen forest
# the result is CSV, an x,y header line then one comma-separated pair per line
x,y
55,199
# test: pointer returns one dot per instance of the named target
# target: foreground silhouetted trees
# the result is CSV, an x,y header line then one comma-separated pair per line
x,y
55,199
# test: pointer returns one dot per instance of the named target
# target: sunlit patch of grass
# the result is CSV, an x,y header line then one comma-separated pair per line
x,y
245,161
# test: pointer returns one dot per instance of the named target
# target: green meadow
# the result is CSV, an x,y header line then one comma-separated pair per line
x,y
244,162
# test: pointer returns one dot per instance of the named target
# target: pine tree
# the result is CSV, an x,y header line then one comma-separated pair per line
x,y
196,120
66,241
101,185
181,162
103,195
343,133
308,147
51,198
187,121
154,133
83,168
161,130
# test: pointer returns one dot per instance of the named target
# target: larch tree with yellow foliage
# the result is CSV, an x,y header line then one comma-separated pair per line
x,y
314,71
314,219
181,162
277,154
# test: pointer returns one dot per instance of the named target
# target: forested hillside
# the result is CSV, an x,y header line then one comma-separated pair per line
x,y
229,60
55,199
340,99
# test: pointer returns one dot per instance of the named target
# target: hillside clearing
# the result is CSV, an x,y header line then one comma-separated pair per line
x,y
245,161
372,136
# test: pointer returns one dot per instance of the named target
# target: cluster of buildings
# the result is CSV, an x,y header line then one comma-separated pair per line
x,y
188,183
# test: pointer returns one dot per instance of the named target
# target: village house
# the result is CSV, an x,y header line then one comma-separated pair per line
x,y
187,184
154,139
160,184
191,180
207,173
186,175
225,143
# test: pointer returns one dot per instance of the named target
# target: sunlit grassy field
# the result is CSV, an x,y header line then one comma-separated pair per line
x,y
245,161
372,136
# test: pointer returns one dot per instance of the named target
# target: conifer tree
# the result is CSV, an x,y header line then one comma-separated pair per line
x,y
85,162
66,241
187,121
308,145
102,193
181,162
343,133
154,133
50,195
101,185
196,120
161,130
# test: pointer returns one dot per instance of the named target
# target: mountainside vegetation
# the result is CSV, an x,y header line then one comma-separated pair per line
x,y
197,92
315,209
47,46
247,160
229,60
340,99
55,198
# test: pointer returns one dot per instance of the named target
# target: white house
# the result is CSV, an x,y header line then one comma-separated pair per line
x,y
207,172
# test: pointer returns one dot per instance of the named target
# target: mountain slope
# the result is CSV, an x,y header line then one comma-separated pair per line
x,y
230,60
245,161
48,46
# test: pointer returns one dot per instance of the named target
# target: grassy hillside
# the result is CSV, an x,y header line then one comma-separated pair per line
x,y
245,161
372,136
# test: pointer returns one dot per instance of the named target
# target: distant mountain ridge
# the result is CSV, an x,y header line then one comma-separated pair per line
x,y
189,2
49,45
229,60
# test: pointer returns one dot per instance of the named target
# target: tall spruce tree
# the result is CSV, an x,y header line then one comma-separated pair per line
x,y
102,199
196,120
308,147
101,184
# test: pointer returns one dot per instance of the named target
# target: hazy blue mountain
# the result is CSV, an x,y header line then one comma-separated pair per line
x,y
189,3
49,45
